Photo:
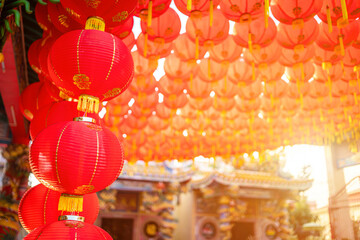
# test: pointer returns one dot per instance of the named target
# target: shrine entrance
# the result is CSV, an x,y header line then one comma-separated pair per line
x,y
243,231
119,228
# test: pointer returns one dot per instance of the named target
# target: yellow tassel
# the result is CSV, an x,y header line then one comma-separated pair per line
x,y
211,12
250,42
266,9
342,67
95,23
355,98
253,71
89,104
330,86
341,42
209,69
302,71
328,17
145,44
197,48
70,203
149,16
188,6
344,10
225,83
301,101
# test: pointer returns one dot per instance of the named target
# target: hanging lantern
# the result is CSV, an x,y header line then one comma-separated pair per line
x,y
143,66
290,57
247,106
198,8
39,206
272,72
302,72
251,91
187,50
147,100
175,68
30,100
168,86
295,12
211,71
98,154
136,123
198,88
47,43
164,28
339,38
143,85
325,56
225,88
352,57
255,34
275,89
75,55
202,33
123,30
42,19
223,104
60,18
175,101
226,52
68,229
129,41
151,49
242,11
264,56
201,104
102,13
297,38
146,10
241,73
163,111
33,55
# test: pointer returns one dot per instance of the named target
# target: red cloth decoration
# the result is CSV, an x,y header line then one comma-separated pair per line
x,y
39,206
68,229
98,154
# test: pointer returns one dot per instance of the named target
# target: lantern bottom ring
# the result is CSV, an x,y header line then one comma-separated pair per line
x,y
71,217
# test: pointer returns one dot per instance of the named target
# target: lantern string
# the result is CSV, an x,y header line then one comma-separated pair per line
x,y
253,71
250,42
266,10
341,42
211,12
149,16
344,10
188,6
145,44
197,47
328,17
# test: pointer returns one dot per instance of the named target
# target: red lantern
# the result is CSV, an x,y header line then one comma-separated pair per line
x,y
68,229
123,30
129,41
241,73
163,112
290,57
198,88
272,72
143,66
339,12
352,57
255,33
211,71
242,11
61,19
44,53
147,100
302,72
168,86
175,101
98,154
39,206
195,9
143,84
175,68
227,51
151,49
263,56
187,50
76,54
325,56
295,12
149,9
164,28
297,38
225,88
30,100
41,15
201,104
223,104
33,55
202,33
251,91
111,13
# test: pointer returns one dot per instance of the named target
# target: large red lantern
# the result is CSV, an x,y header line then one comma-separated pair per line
x,y
111,13
61,19
98,153
39,206
339,12
68,229
90,65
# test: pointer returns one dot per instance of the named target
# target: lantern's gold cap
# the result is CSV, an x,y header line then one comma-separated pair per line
x,y
71,217
85,119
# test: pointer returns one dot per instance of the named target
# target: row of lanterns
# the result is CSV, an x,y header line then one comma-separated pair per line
x,y
235,97
71,154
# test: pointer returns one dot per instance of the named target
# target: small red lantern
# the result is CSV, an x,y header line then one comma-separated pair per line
x,y
187,50
41,15
68,229
175,68
226,52
123,30
242,11
39,206
168,86
61,19
198,88
98,154
149,9
33,55
211,71
90,65
175,101
152,50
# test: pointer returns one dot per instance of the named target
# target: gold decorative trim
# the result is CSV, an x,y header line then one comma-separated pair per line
x,y
97,157
56,153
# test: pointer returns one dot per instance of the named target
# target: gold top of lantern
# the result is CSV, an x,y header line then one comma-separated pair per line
x,y
95,23
85,119
71,217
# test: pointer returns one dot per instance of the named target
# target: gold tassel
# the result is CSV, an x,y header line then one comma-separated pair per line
x,y
266,9
342,67
211,12
197,47
302,71
253,71
89,104
225,83
329,21
145,44
209,69
344,10
301,101
188,6
355,98
95,23
70,203
250,42
149,16
341,42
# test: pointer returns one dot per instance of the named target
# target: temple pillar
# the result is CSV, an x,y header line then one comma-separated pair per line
x,y
340,221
